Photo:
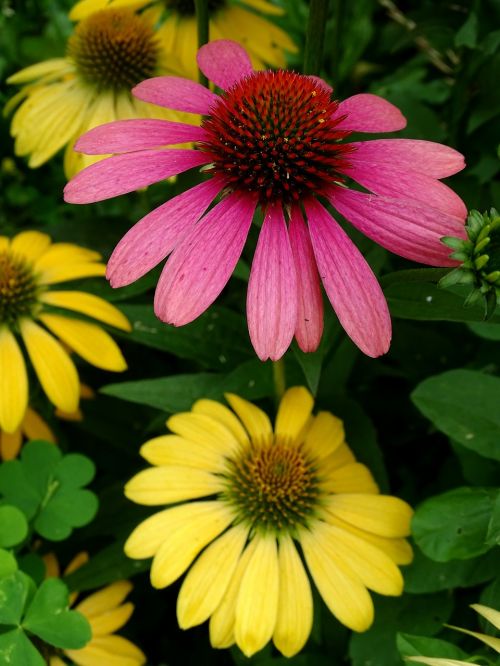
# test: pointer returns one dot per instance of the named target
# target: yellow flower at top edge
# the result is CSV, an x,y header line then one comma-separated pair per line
x,y
109,52
265,42
106,612
30,265
255,508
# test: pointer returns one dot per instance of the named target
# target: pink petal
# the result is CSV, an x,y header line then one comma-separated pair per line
x,y
405,227
152,238
224,62
201,265
433,159
391,181
174,92
272,289
369,113
310,302
124,136
349,282
128,172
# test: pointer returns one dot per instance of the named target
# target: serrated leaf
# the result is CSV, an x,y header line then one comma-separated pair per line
x,y
13,526
17,650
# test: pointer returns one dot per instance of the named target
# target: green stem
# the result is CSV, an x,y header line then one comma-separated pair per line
x,y
315,36
202,19
279,378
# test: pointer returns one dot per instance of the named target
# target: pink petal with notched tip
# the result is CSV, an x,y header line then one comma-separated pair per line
x,y
403,226
224,62
272,289
349,282
199,268
128,172
433,159
125,136
174,92
309,327
369,113
150,240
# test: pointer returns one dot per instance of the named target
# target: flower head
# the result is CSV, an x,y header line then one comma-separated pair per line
x,y
30,264
274,139
245,495
109,52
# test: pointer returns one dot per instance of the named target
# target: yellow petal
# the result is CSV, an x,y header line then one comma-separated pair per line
x,y
341,457
207,581
204,430
490,614
293,415
111,620
88,304
180,547
381,514
324,436
265,7
55,661
108,650
30,245
55,369
67,272
222,414
65,253
4,243
110,597
88,340
254,419
78,561
434,661
257,603
52,569
40,69
295,605
10,444
36,428
352,478
166,485
345,595
491,641
13,382
174,450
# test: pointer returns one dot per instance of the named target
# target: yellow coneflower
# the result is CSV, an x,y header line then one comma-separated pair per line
x,y
265,42
109,52
246,496
106,612
30,264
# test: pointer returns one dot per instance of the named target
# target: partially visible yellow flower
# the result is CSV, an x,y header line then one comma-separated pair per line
x,y
109,52
246,497
491,615
30,264
242,22
106,612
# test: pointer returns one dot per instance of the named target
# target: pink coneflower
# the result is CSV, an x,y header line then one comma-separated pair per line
x,y
273,139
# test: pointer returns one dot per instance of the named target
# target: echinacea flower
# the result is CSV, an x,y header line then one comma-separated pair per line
x,y
273,139
30,264
245,495
106,612
108,53
241,21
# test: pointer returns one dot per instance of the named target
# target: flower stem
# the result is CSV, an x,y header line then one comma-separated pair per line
x,y
279,378
315,36
202,19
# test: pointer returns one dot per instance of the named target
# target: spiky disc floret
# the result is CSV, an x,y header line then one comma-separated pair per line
x,y
18,289
273,133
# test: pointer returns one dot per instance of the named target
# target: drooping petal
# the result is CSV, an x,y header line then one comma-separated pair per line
x,y
293,415
13,382
349,282
437,661
309,328
125,136
156,234
381,514
257,603
221,413
224,62
166,485
10,444
201,265
405,227
30,245
112,620
369,113
434,159
488,613
174,92
55,370
36,428
207,581
104,600
110,650
295,604
88,304
128,172
254,419
272,289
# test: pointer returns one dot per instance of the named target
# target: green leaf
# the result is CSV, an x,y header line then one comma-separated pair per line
x,y
66,510
14,592
464,405
17,650
454,525
467,35
49,618
13,526
8,563
75,471
421,646
493,535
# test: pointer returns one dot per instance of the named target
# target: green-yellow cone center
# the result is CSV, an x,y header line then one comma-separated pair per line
x,y
18,289
273,488
114,49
